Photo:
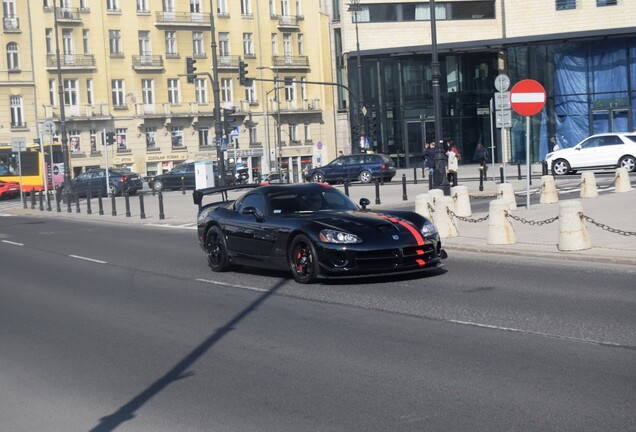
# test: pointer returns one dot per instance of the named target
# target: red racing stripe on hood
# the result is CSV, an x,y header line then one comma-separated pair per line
x,y
418,237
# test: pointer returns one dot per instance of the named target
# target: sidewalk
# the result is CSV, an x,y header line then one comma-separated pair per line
x,y
616,212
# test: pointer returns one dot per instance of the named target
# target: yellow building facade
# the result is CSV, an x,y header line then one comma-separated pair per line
x,y
122,65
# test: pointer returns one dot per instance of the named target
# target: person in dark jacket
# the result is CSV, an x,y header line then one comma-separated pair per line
x,y
429,156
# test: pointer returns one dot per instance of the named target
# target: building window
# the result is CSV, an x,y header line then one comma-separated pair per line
x,y
17,114
114,42
74,141
84,4
290,89
253,135
52,92
201,91
86,41
171,43
71,96
195,6
606,3
93,139
89,91
48,35
307,133
303,88
117,88
197,44
176,133
174,96
226,89
293,133
13,59
272,8
204,136
301,44
250,92
224,44
112,5
122,144
274,44
142,6
222,8
248,44
145,48
151,138
168,6
565,4
148,91
299,11
246,7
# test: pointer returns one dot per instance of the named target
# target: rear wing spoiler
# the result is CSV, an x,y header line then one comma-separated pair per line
x,y
197,195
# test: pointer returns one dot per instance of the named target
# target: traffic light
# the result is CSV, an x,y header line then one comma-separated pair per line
x,y
191,69
110,138
242,73
371,127
228,119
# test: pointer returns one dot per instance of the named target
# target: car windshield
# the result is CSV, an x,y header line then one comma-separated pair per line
x,y
290,202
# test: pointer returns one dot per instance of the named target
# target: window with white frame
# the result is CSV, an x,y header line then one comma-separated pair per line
x,y
272,8
112,5
222,8
71,96
224,44
89,91
246,7
293,133
174,96
284,7
250,92
307,132
117,90
17,113
176,132
197,44
145,47
303,88
274,43
226,89
168,5
253,135
290,89
142,6
171,43
204,136
248,44
52,92
151,138
301,44
86,41
74,141
48,40
287,46
114,41
201,91
299,11
195,6
93,140
148,91
13,58
84,4
122,139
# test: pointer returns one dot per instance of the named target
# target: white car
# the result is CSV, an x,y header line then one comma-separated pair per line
x,y
607,150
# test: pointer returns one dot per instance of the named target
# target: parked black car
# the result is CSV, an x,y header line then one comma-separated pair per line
x,y
365,167
183,175
121,181
313,230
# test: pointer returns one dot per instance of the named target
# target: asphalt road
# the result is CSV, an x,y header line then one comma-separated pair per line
x,y
112,327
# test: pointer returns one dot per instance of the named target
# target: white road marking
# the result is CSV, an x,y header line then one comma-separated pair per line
x,y
527,97
88,259
12,243
232,285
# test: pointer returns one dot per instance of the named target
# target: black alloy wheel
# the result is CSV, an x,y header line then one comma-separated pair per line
x,y
303,260
216,249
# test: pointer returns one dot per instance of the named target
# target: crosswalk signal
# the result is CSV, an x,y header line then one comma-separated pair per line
x,y
242,73
190,69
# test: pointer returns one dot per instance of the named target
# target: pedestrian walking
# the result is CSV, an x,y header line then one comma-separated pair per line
x,y
481,156
430,157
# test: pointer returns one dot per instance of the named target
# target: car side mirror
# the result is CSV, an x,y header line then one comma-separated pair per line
x,y
364,202
252,211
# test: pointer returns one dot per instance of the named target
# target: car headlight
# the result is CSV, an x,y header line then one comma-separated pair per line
x,y
333,236
429,229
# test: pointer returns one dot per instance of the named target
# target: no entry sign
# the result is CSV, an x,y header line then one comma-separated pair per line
x,y
527,97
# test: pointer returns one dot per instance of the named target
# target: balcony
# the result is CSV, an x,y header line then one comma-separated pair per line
x,y
295,107
71,61
290,62
18,125
68,15
90,112
11,24
183,19
147,62
288,22
228,61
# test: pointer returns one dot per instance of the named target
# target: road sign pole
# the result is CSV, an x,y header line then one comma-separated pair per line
x,y
528,162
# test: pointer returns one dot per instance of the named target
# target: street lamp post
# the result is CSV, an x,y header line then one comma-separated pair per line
x,y
67,191
440,181
355,7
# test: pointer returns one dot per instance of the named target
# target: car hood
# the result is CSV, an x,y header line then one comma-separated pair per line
x,y
562,153
364,223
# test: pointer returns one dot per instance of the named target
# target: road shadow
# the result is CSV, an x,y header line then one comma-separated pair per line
x,y
180,371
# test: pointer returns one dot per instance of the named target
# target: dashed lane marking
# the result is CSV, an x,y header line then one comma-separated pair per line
x,y
88,259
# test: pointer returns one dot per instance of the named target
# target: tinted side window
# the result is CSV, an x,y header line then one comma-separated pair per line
x,y
252,200
632,138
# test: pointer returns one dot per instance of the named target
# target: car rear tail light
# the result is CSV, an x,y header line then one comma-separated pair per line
x,y
123,179
382,167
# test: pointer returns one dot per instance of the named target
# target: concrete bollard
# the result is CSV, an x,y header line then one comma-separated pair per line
x,y
549,193
506,192
500,230
462,201
422,203
588,185
573,235
621,181
443,222
436,194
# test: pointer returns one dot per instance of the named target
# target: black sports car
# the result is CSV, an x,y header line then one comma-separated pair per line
x,y
315,231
